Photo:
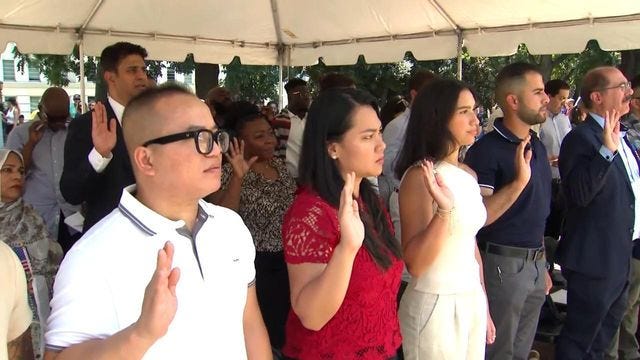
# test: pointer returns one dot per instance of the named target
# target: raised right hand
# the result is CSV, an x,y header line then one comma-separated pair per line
x,y
36,130
235,155
103,132
523,161
160,301
351,226
611,131
438,190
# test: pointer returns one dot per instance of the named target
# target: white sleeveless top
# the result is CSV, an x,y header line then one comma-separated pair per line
x,y
455,270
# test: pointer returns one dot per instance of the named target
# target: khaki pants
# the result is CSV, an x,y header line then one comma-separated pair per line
x,y
444,327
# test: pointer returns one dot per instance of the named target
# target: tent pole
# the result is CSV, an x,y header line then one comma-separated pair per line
x,y
82,75
459,75
280,73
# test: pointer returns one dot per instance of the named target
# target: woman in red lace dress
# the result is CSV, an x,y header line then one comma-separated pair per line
x,y
344,264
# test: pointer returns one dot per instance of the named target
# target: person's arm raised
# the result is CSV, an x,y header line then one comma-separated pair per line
x,y
583,170
230,197
318,290
158,310
497,203
424,231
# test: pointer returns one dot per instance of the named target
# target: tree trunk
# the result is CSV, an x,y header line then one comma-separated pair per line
x,y
546,66
206,78
630,64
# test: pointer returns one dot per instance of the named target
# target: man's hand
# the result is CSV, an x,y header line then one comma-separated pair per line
x,y
36,130
611,131
491,329
160,301
523,160
103,132
548,283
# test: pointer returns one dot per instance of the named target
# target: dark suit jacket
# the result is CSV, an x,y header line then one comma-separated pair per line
x,y
81,183
596,238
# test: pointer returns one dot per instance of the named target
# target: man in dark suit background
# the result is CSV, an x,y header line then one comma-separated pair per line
x,y
600,178
96,164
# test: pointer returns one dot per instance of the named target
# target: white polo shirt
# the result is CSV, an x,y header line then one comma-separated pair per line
x,y
100,286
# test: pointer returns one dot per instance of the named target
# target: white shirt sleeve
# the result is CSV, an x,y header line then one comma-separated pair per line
x,y
294,146
98,162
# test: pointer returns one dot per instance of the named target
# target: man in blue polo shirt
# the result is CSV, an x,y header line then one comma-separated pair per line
x,y
517,195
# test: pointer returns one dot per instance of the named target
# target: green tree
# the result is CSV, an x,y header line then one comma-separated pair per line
x,y
57,68
251,82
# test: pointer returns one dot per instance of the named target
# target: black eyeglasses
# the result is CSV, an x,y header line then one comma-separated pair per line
x,y
203,138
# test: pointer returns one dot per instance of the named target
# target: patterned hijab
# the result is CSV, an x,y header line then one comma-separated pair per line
x,y
21,226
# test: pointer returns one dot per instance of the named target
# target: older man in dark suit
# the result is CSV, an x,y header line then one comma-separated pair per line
x,y
601,180
96,164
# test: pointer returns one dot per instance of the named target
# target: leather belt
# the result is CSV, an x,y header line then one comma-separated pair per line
x,y
522,253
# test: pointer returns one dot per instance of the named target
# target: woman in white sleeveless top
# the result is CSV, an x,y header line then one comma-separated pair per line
x,y
443,313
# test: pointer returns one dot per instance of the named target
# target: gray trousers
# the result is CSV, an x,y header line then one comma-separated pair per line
x,y
624,344
515,291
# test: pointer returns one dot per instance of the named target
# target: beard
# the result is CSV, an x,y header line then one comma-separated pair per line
x,y
530,116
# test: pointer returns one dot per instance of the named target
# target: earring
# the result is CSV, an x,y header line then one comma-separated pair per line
x,y
334,157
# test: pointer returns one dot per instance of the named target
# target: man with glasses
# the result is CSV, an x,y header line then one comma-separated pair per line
x,y
194,258
41,143
624,344
601,182
96,163
289,123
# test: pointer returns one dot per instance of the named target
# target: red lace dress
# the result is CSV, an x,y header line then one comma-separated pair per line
x,y
366,325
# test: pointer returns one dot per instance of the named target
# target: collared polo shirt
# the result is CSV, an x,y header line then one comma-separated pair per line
x,y
100,286
493,159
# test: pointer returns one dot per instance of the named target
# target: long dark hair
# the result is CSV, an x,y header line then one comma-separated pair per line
x,y
428,134
328,119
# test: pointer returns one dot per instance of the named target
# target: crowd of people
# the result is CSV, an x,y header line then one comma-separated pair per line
x,y
158,225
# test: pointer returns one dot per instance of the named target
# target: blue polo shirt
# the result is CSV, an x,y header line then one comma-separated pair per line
x,y
493,159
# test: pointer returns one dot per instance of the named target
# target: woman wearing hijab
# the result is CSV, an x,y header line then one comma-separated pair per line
x,y
26,233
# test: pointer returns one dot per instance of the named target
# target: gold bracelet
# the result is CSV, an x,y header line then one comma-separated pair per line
x,y
444,213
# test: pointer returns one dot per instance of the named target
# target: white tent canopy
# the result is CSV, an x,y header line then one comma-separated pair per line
x,y
298,32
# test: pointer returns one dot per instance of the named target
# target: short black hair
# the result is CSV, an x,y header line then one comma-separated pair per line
x,y
113,54
240,113
334,80
420,78
294,83
553,87
510,76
